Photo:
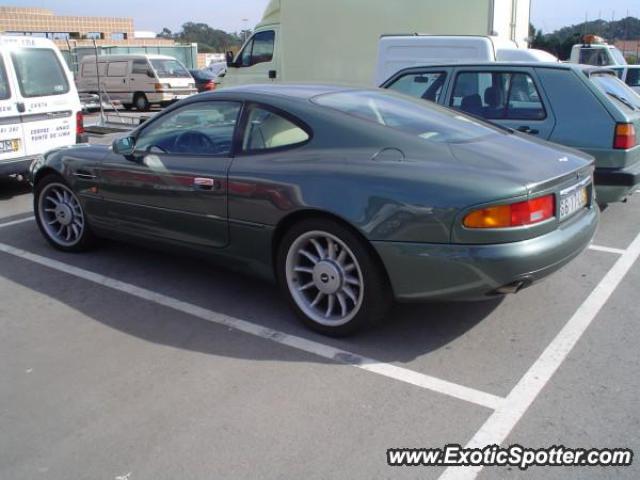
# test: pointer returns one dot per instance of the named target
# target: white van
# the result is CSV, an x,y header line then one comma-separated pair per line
x,y
396,52
136,80
39,105
595,51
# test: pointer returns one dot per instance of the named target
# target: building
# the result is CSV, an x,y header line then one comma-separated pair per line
x,y
629,48
79,31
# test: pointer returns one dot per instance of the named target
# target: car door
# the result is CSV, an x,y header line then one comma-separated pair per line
x,y
12,143
258,60
174,186
116,81
506,95
141,79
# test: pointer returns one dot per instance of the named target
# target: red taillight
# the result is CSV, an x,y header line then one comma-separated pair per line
x,y
79,123
625,136
210,85
514,215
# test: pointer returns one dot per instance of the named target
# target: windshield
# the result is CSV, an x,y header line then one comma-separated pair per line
x,y
417,117
169,69
616,89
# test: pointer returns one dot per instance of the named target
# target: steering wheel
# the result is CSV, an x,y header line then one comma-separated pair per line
x,y
193,141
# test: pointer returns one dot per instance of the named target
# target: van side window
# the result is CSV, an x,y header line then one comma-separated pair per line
x,y
427,86
117,69
266,130
259,49
5,91
140,67
39,72
498,96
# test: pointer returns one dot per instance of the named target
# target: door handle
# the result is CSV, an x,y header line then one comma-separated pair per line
x,y
21,107
124,80
529,130
273,74
208,184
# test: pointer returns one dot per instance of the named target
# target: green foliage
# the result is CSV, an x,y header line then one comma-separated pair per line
x,y
209,39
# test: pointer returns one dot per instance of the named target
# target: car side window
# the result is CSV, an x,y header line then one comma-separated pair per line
x,y
267,130
498,96
427,86
633,77
5,91
140,67
117,69
203,128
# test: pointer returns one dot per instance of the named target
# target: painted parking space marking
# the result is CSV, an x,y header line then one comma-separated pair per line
x,y
401,374
16,222
502,421
599,248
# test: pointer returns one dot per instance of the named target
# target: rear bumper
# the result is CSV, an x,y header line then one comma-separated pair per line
x,y
420,272
614,184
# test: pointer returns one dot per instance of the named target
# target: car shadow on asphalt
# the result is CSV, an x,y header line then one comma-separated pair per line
x,y
409,331
11,187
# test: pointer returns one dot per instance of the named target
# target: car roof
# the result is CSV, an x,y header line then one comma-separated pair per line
x,y
295,90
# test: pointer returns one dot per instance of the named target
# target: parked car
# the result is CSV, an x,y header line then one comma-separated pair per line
x,y
39,104
583,107
205,81
136,80
630,75
349,198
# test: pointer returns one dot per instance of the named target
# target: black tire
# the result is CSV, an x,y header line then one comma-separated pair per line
x,y
374,298
141,102
85,238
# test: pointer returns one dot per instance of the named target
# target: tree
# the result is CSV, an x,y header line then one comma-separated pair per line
x,y
165,33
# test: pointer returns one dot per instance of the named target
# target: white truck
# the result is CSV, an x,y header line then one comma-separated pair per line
x,y
595,51
336,41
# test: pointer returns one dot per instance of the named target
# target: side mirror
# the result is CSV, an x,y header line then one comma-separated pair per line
x,y
230,62
150,74
124,146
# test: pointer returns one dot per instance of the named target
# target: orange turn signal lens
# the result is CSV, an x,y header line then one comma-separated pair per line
x,y
513,215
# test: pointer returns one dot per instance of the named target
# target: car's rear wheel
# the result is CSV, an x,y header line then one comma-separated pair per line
x,y
60,216
331,278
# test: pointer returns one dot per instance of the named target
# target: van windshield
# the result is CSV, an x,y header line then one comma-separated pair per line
x,y
617,89
169,69
39,72
423,119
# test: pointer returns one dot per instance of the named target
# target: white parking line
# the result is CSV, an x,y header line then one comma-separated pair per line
x,y
598,248
498,426
325,351
16,222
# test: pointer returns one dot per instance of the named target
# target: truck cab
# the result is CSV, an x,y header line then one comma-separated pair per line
x,y
595,51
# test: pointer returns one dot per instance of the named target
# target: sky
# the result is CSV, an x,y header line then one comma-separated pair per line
x,y
235,15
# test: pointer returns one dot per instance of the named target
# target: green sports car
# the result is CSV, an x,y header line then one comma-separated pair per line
x,y
349,198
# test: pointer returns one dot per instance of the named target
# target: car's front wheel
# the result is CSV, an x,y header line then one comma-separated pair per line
x,y
60,216
331,278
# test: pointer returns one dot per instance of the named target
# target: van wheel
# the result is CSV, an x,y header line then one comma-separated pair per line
x,y
141,102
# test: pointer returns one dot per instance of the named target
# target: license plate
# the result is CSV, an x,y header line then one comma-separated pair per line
x,y
573,201
9,146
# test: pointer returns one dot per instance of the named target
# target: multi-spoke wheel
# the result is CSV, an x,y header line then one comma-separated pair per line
x,y
331,278
60,215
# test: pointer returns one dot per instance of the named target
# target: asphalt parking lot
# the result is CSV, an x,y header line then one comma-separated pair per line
x,y
127,363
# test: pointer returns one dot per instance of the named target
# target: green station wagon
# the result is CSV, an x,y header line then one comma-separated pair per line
x,y
587,108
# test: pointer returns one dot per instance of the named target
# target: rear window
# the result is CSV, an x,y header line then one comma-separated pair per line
x,y
616,89
39,72
417,117
5,91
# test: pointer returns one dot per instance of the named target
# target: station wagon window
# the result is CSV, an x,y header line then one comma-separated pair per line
x,y
427,86
5,91
39,72
267,130
203,128
498,96
259,49
117,69
140,67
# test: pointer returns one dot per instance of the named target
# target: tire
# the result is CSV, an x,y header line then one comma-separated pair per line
x,y
348,272
60,216
141,102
